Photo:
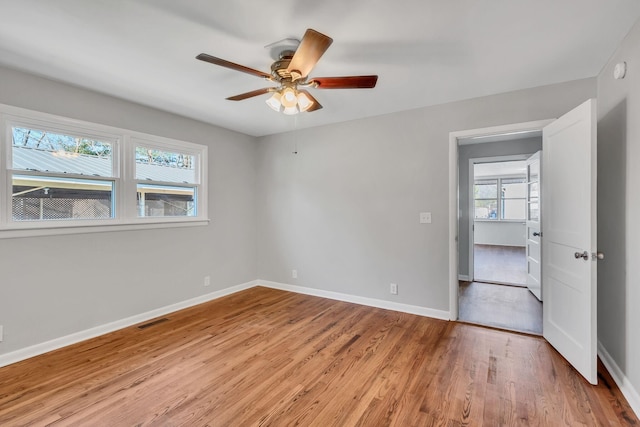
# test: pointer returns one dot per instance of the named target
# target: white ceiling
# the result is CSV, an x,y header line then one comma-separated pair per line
x,y
426,52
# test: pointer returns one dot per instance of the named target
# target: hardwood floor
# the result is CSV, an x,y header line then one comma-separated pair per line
x,y
269,357
500,306
500,264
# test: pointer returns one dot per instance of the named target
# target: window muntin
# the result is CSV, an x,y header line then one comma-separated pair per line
x,y
59,174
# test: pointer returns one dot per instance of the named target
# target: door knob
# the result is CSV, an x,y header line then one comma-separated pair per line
x,y
584,255
536,234
597,255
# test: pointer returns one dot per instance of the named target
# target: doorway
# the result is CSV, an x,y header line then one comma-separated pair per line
x,y
492,190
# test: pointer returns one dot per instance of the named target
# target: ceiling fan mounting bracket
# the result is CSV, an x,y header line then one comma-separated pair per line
x,y
276,49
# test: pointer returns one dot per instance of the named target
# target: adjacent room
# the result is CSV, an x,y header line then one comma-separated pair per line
x,y
505,204
330,214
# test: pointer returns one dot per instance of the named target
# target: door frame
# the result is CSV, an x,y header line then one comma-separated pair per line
x,y
471,178
454,209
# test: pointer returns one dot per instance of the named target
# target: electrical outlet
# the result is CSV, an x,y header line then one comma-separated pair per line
x,y
294,274
207,280
393,288
425,217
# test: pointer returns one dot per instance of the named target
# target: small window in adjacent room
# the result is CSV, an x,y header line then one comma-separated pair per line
x,y
513,198
508,204
485,193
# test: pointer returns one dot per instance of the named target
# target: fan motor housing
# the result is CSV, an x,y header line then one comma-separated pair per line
x,y
279,67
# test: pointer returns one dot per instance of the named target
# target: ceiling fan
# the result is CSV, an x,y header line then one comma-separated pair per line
x,y
291,72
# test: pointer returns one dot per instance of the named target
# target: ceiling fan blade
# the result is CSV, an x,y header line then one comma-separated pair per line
x,y
232,65
348,82
312,47
250,94
316,105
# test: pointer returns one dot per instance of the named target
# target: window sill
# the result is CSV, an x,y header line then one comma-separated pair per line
x,y
35,231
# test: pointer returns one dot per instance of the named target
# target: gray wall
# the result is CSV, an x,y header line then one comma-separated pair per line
x,y
619,209
344,210
473,151
57,285
500,233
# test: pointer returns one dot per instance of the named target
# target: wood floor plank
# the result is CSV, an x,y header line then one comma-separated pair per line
x,y
264,357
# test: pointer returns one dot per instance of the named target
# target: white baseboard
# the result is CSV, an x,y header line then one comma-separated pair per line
x,y
463,277
54,344
625,386
37,349
371,302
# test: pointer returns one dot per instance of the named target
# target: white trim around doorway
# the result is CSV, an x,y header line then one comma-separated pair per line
x,y
454,208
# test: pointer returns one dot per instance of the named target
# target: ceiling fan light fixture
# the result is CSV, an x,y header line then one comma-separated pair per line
x,y
304,103
288,97
289,101
290,110
274,102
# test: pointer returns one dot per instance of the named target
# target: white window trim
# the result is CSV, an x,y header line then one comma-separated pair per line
x,y
124,142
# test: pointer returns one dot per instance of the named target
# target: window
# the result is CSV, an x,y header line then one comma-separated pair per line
x,y
50,173
166,182
485,194
60,173
507,204
513,198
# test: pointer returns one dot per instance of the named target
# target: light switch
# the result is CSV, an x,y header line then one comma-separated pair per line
x,y
425,217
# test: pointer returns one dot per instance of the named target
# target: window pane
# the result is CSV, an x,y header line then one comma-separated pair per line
x,y
514,188
46,151
534,171
486,209
486,189
162,201
38,198
534,210
165,166
533,190
513,209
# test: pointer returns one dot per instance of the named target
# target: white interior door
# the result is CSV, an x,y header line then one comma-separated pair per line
x,y
569,237
533,230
